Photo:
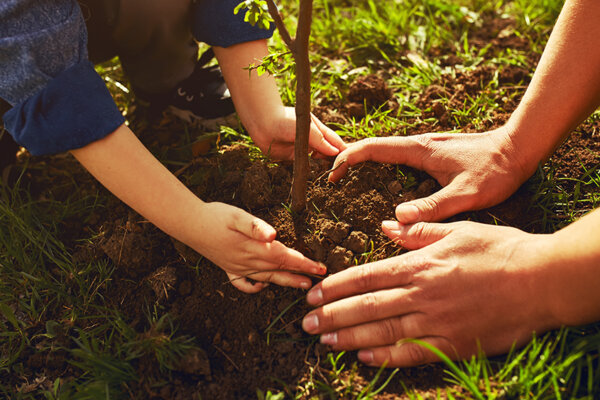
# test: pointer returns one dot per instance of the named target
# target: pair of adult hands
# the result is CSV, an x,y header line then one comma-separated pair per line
x,y
466,286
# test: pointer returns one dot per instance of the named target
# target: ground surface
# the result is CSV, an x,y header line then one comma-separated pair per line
x,y
241,342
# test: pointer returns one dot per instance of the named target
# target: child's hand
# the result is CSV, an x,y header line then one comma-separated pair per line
x,y
278,140
244,246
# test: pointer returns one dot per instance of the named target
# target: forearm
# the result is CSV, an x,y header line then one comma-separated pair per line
x,y
573,273
125,167
256,98
565,88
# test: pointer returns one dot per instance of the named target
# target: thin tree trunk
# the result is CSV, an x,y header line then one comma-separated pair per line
x,y
303,76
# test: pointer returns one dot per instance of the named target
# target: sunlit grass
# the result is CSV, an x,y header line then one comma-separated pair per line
x,y
47,301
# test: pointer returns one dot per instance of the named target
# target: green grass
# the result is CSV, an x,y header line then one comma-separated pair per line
x,y
53,306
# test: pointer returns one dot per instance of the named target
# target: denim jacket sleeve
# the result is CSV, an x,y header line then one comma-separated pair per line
x,y
215,24
58,100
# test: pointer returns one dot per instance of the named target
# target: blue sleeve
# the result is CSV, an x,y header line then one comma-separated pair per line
x,y
215,23
58,100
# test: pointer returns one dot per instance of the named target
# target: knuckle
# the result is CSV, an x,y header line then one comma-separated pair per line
x,y
390,331
431,207
327,319
348,339
369,145
385,355
269,277
363,279
369,304
415,353
419,229
282,260
424,140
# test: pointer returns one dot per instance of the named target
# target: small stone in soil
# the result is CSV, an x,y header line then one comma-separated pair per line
x,y
252,337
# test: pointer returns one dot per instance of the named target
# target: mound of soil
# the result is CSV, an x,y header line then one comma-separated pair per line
x,y
246,342
251,341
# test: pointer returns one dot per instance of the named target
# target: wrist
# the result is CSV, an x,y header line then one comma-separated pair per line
x,y
536,281
573,275
267,122
526,154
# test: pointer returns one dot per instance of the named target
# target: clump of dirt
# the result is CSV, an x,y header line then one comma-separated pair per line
x,y
132,247
256,187
367,93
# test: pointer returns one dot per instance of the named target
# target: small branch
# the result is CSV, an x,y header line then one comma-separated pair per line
x,y
330,170
285,35
227,357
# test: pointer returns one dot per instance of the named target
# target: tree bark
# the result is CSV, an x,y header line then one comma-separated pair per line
x,y
303,76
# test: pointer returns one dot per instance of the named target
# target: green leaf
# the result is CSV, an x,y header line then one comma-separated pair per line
x,y
10,316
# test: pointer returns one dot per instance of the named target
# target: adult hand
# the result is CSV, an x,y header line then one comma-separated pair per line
x,y
476,170
244,246
467,287
278,140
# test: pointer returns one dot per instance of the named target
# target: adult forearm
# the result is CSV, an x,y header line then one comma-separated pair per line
x,y
565,88
573,274
125,167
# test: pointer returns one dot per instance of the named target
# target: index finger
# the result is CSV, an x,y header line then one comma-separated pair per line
x,y
398,150
390,273
276,256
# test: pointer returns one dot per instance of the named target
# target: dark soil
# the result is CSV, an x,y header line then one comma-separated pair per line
x,y
341,227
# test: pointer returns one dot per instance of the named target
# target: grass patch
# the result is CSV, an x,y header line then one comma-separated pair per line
x,y
54,307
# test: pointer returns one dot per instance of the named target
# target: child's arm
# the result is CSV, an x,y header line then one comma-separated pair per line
x,y
256,98
236,241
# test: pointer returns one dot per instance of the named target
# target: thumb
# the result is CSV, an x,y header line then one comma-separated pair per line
x,y
415,236
253,227
446,202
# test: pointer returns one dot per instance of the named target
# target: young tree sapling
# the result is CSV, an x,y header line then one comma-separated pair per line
x,y
262,12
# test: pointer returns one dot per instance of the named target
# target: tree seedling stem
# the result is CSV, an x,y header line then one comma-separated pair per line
x,y
299,49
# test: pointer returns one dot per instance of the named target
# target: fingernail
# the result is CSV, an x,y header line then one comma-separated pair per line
x,y
391,225
407,213
310,323
305,285
329,338
314,297
322,268
365,356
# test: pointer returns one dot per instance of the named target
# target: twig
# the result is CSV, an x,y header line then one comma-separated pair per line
x,y
184,168
227,357
330,170
285,35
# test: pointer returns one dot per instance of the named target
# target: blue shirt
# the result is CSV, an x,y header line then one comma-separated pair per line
x,y
58,100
